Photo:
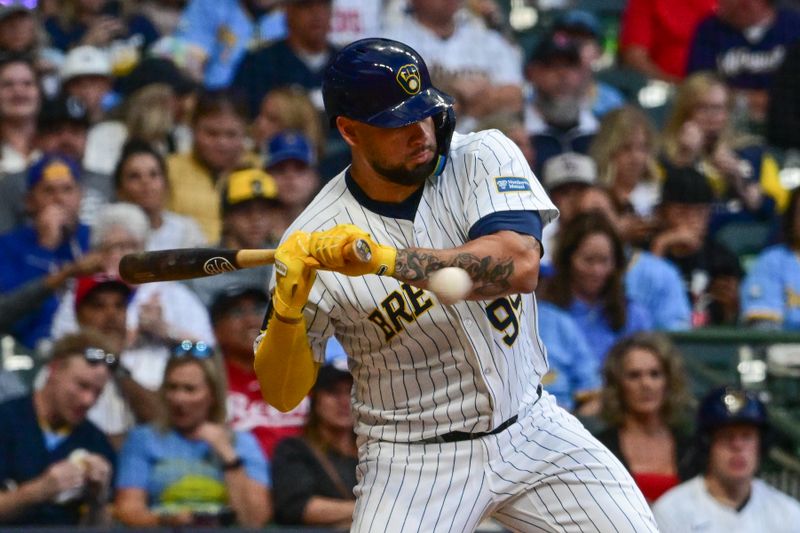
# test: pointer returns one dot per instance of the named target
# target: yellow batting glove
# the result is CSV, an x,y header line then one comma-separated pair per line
x,y
333,249
295,272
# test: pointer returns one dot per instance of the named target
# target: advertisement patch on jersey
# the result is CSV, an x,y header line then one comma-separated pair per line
x,y
512,184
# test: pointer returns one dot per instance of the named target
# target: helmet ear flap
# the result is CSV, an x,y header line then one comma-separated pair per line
x,y
445,125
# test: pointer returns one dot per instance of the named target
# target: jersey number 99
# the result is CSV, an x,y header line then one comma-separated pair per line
x,y
502,315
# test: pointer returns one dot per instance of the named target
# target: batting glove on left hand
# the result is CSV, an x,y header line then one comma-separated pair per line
x,y
295,272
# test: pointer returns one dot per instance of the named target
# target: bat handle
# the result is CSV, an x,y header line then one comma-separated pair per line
x,y
359,251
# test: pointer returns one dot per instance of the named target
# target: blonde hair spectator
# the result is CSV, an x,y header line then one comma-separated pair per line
x,y
288,108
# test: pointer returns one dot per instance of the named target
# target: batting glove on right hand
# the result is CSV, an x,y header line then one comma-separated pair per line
x,y
333,249
295,272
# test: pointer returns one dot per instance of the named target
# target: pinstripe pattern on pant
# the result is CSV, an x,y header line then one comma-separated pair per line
x,y
544,473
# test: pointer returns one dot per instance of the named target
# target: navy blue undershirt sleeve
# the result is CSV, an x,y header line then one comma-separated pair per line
x,y
524,222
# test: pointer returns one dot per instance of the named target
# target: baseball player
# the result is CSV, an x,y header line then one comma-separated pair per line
x,y
451,419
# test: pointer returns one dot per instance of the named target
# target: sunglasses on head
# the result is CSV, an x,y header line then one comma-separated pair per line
x,y
187,348
98,355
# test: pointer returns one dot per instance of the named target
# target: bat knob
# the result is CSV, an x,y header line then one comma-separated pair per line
x,y
362,250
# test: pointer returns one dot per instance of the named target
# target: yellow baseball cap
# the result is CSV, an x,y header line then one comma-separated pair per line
x,y
248,184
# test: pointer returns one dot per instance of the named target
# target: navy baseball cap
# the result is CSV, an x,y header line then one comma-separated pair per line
x,y
229,297
579,21
555,47
332,373
59,111
53,167
686,185
289,145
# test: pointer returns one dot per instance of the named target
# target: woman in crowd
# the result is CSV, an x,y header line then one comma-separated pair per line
x,y
646,406
699,133
190,469
624,150
589,282
288,108
218,147
313,476
141,178
770,294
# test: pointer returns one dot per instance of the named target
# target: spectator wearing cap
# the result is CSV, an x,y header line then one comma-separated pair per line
x,y
291,161
314,475
101,304
57,466
19,28
220,33
710,271
300,59
731,438
219,126
86,76
237,312
157,96
141,179
556,118
584,28
771,291
474,63
656,35
63,127
248,203
53,237
20,99
565,178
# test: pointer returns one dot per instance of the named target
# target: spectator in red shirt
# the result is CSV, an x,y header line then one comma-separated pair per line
x,y
236,314
656,34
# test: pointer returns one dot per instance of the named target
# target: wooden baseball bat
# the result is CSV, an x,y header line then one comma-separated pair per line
x,y
187,263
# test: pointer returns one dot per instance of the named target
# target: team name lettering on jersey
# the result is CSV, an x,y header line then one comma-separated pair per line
x,y
398,307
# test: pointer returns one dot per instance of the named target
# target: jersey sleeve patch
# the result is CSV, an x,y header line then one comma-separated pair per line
x,y
506,184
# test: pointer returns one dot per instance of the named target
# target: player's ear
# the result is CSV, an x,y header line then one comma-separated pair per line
x,y
347,128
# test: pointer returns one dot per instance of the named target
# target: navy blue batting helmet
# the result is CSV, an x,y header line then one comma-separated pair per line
x,y
386,84
730,405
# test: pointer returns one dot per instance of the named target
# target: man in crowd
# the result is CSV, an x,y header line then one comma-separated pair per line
x,y
727,497
54,237
55,465
236,315
557,119
247,204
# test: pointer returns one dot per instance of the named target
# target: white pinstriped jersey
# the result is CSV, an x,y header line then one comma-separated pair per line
x,y
423,369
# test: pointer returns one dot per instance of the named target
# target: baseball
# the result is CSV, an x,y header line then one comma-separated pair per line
x,y
450,284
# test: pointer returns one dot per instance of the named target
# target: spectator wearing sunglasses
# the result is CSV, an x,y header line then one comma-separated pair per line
x,y
55,464
101,304
236,314
189,468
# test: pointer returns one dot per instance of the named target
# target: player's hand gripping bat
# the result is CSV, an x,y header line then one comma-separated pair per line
x,y
187,263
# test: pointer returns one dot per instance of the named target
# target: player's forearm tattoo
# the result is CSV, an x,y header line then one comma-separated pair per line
x,y
492,276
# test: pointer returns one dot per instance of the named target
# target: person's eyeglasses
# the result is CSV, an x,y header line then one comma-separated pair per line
x,y
187,348
98,355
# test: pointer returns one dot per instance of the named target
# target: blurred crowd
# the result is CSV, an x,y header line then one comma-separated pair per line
x,y
128,126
